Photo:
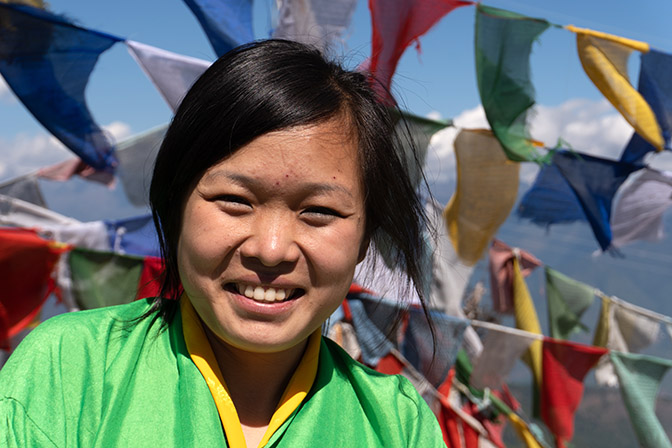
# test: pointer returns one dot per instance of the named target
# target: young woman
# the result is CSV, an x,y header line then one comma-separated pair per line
x,y
278,172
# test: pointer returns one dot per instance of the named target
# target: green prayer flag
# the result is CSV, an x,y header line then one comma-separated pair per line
x,y
639,377
503,43
567,299
103,278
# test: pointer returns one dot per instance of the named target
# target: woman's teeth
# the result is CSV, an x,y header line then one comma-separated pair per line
x,y
261,294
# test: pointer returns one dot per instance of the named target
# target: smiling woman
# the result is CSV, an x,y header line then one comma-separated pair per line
x,y
277,173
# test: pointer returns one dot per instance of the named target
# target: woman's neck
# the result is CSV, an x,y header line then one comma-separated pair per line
x,y
256,381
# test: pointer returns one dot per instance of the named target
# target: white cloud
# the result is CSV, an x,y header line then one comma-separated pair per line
x,y
24,153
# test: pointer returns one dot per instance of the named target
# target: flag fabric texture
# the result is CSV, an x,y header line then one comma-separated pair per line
x,y
314,22
550,200
527,320
640,377
500,352
26,265
594,181
567,299
25,188
227,24
372,341
487,186
503,45
172,74
133,236
638,213
623,330
656,88
565,365
17,213
500,263
47,62
604,58
136,162
395,24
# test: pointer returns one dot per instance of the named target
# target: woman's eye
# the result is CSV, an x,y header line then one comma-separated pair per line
x,y
322,212
233,202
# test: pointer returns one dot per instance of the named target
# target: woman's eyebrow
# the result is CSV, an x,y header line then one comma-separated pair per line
x,y
316,188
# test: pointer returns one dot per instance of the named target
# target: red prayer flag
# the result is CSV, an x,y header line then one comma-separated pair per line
x,y
149,284
395,24
26,263
564,366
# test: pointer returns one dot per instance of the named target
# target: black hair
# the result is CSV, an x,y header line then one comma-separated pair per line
x,y
268,86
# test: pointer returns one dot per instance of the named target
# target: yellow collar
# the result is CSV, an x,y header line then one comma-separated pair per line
x,y
201,353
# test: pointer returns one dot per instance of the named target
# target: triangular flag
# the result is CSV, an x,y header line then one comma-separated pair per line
x,y
565,365
26,265
314,22
397,23
503,45
47,62
656,88
227,24
567,299
638,214
500,352
605,60
171,73
527,320
487,186
501,273
136,162
594,181
640,377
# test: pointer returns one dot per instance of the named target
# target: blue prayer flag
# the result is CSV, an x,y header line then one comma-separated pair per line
x,y
550,200
594,181
133,236
47,61
227,23
655,86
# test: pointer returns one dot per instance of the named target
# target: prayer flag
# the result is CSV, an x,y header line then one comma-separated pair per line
x,y
25,188
550,200
314,22
605,60
136,162
640,377
133,236
487,186
26,265
171,73
103,278
594,181
503,45
656,88
227,23
501,273
500,352
567,299
18,213
395,24
527,320
638,214
523,431
63,171
565,365
372,340
47,62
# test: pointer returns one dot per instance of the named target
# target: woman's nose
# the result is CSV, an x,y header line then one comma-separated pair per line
x,y
271,240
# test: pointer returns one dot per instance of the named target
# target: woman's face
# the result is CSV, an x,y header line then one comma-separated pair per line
x,y
270,236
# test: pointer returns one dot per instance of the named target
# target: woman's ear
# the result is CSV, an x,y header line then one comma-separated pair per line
x,y
363,249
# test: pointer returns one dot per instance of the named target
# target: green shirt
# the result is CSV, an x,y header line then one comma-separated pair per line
x,y
93,378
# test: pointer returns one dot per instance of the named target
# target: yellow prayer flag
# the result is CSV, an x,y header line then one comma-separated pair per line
x,y
523,431
527,320
605,60
602,329
487,187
